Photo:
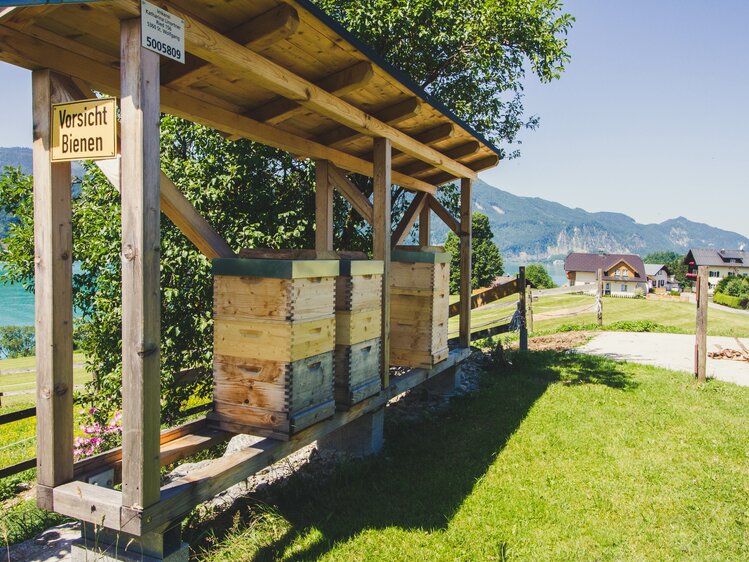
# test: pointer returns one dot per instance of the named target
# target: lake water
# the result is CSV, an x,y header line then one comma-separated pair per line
x,y
556,271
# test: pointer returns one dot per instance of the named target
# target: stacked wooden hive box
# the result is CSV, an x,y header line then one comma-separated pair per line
x,y
419,303
358,331
274,341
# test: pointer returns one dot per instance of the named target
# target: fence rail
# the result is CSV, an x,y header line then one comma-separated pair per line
x,y
182,378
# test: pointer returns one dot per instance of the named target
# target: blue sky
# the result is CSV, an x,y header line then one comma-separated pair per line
x,y
651,117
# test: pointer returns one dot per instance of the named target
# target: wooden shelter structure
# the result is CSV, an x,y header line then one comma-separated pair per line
x,y
276,72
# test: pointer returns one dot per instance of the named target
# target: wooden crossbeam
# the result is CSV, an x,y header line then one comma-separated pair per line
x,y
486,296
256,34
242,62
391,115
458,152
409,219
440,178
445,215
338,83
23,50
352,193
429,137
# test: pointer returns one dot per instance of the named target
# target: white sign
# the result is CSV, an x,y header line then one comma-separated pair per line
x,y
162,32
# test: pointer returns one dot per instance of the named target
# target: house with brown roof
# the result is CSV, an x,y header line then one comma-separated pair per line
x,y
720,264
623,274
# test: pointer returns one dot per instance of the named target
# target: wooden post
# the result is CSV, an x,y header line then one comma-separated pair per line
x,y
424,225
599,296
523,310
140,171
466,235
530,309
323,208
381,239
53,243
700,344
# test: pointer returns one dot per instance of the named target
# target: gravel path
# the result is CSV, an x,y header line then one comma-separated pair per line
x,y
671,351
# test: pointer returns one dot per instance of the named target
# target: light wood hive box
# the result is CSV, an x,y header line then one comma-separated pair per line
x,y
419,302
358,331
273,344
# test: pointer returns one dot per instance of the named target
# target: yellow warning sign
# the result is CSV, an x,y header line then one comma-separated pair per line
x,y
84,130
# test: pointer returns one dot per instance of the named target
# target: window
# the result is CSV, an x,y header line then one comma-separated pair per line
x,y
730,274
714,274
624,287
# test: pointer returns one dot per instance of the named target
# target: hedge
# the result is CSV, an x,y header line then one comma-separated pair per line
x,y
733,302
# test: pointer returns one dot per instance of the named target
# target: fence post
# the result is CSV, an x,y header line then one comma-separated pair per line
x,y
599,297
700,345
530,309
523,313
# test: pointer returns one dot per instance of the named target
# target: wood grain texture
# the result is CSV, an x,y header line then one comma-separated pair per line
x,y
353,195
381,228
53,297
409,219
466,237
444,215
323,208
140,269
700,345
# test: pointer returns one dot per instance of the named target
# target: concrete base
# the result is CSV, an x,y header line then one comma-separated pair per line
x,y
103,545
363,436
445,384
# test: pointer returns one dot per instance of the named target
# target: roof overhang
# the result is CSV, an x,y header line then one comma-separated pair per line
x,y
280,73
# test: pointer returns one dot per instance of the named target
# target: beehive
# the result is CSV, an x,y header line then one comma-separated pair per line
x,y
358,331
419,301
274,341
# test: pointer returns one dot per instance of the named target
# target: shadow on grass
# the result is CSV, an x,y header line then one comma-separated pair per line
x,y
426,470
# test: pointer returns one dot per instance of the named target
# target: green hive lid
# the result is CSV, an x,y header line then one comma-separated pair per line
x,y
278,269
362,267
415,256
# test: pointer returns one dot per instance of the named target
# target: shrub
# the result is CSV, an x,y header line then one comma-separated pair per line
x,y
728,300
16,341
639,293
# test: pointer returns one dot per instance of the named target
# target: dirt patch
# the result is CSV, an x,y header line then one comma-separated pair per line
x,y
563,341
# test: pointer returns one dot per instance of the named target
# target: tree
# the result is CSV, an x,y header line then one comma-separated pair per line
x,y
16,341
734,286
486,261
469,54
537,274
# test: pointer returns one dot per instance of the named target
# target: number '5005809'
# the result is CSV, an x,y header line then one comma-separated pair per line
x,y
168,50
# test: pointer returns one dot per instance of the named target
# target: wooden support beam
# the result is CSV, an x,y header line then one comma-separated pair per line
x,y
390,115
352,194
425,219
485,296
409,219
440,178
257,34
53,262
458,152
338,83
17,48
444,215
242,62
323,208
141,307
381,240
429,137
700,343
523,310
466,235
599,296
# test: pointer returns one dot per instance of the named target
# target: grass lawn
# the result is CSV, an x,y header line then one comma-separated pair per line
x,y
560,457
678,315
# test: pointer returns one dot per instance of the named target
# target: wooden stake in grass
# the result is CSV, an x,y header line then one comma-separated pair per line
x,y
599,297
700,344
523,319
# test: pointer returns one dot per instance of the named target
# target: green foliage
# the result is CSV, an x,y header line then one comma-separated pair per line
x,y
728,300
469,54
619,326
16,341
537,274
24,520
734,286
662,257
487,262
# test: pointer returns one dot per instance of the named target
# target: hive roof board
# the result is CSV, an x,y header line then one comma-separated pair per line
x,y
281,73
